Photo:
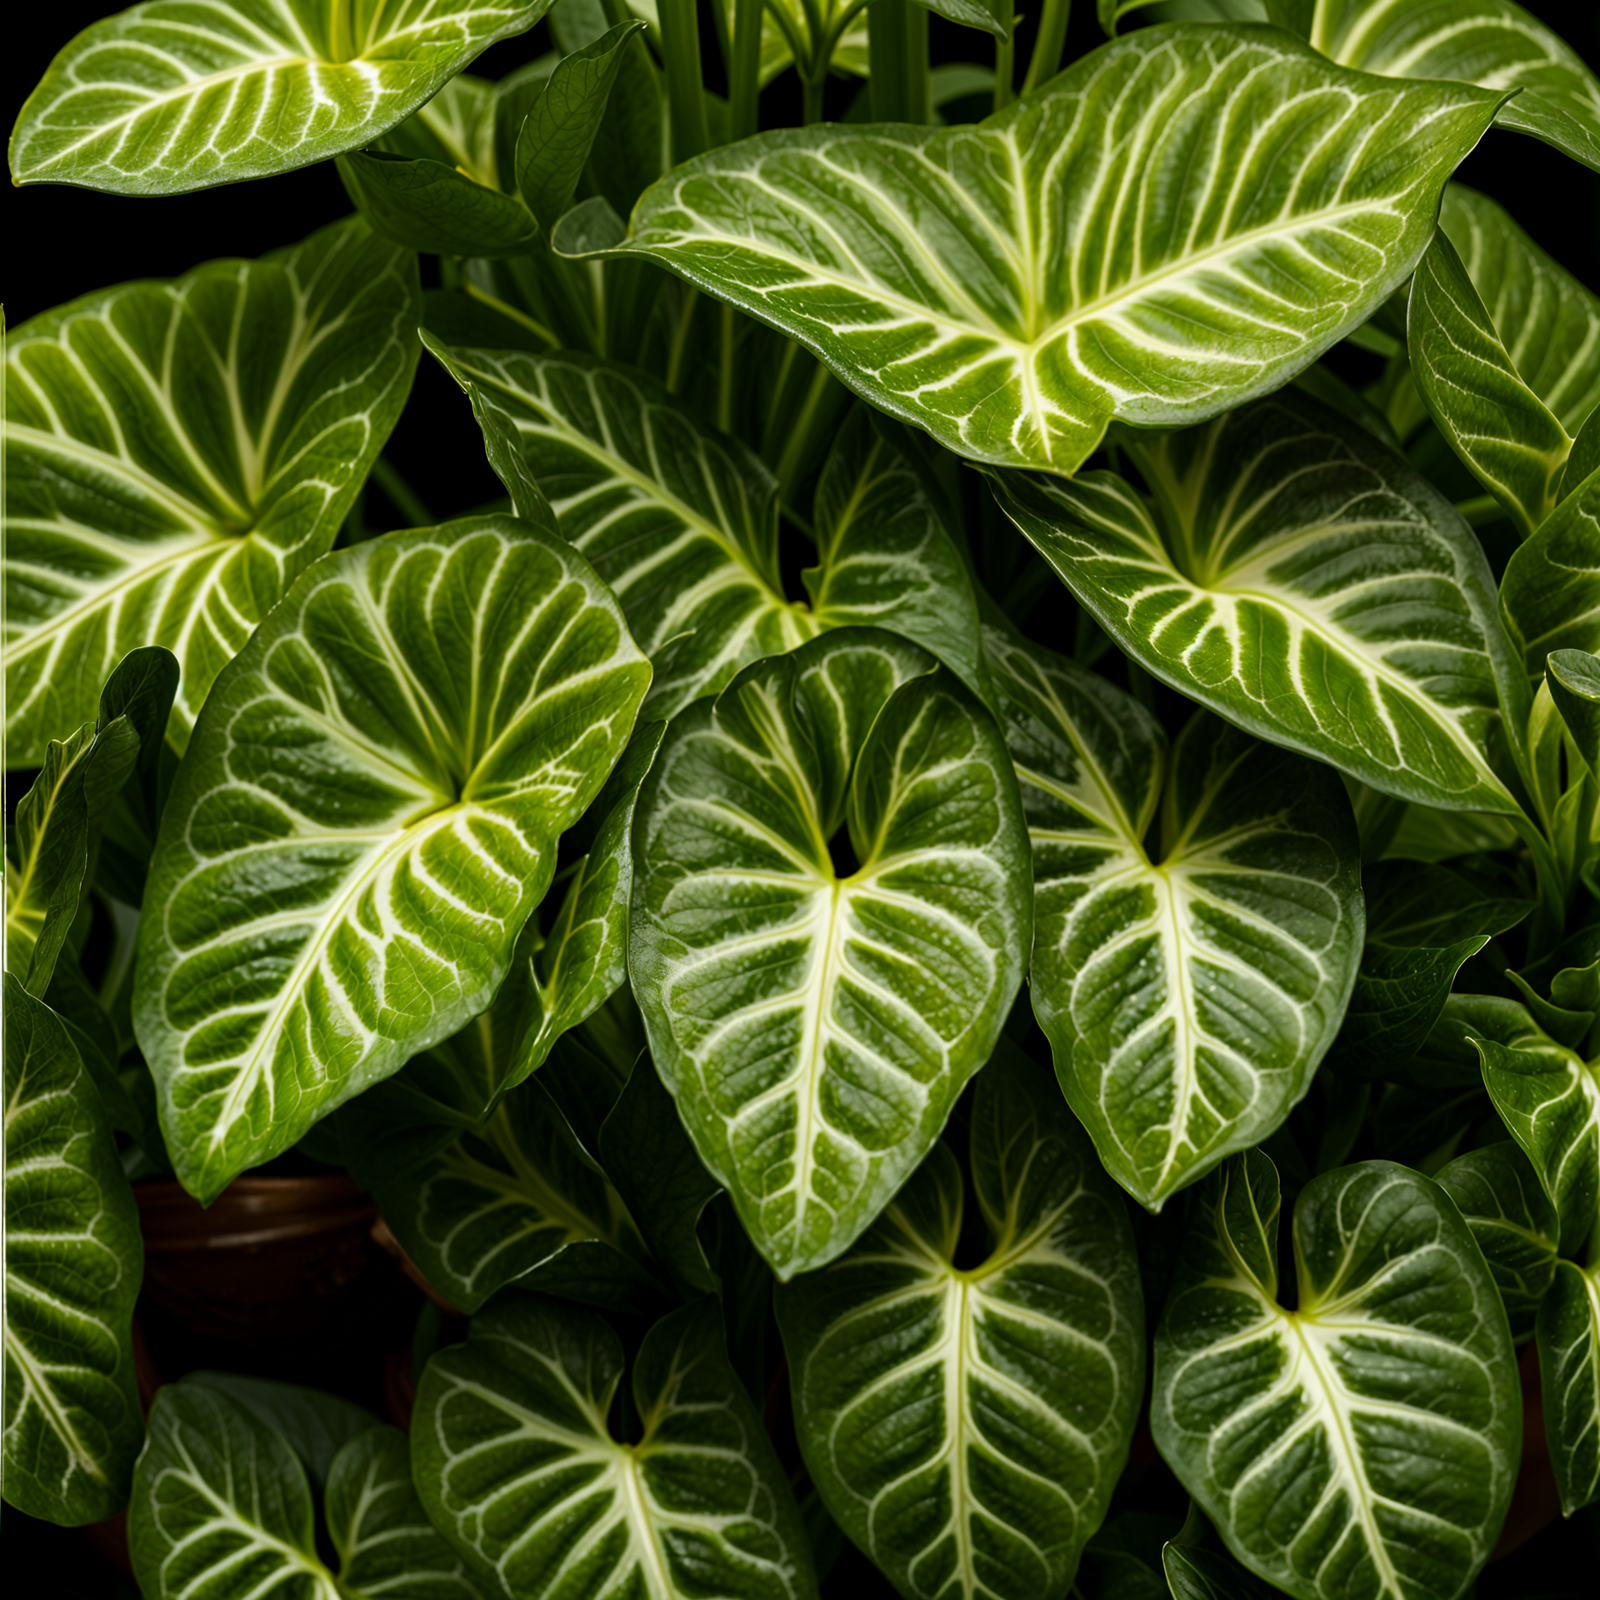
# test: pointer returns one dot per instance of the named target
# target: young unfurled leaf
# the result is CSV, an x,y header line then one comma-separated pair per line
x,y
1549,1099
169,97
816,1021
407,734
515,1200
682,522
1300,580
1569,1369
1492,42
1366,1443
177,453
1189,991
1511,1217
518,1468
73,1261
966,1427
1156,235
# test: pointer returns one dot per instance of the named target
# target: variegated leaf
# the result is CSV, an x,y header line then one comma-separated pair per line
x,y
816,1017
966,1426
1188,986
173,95
395,752
1302,581
1156,235
177,453
1569,1370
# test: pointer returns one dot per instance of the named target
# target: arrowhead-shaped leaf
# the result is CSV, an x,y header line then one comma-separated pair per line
x,y
1492,42
407,735
73,1260
816,1023
518,1469
1498,1193
1364,1444
682,522
1189,991
177,453
171,96
1569,1370
1302,581
1182,220
966,1427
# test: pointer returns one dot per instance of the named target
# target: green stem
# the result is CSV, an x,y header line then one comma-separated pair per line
x,y
1048,44
1481,508
919,91
680,50
811,98
406,499
725,376
1005,58
888,60
744,70
505,309
1548,922
680,341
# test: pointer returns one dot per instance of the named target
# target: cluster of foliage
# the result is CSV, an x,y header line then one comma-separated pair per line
x,y
670,940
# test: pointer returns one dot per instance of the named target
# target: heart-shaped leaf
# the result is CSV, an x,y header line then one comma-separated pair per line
x,y
1498,1193
171,96
517,1466
407,733
815,1022
1188,992
177,453
1492,42
966,1427
682,522
1569,1370
1549,1099
1364,1444
1302,581
73,1260
1182,220
516,1201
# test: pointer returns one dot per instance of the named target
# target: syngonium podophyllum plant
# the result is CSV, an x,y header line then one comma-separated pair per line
x,y
1166,789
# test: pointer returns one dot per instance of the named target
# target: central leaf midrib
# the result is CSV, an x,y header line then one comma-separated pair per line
x,y
44,1397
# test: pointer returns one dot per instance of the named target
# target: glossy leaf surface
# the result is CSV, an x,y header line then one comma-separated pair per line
x,y
73,1258
1189,988
816,1025
177,453
518,1469
1296,577
682,522
1366,1443
966,1427
175,95
408,734
1155,235
1550,594
1569,1367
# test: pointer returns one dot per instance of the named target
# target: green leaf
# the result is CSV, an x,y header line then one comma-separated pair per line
x,y
1198,1574
1419,902
1366,1443
1300,580
168,97
1491,42
1499,427
395,753
1182,220
554,144
1399,994
1498,1193
425,205
816,1023
518,1469
1574,680
682,522
1550,594
177,453
516,1201
385,1543
1189,991
73,1260
1569,1369
315,1425
966,1427
1549,1099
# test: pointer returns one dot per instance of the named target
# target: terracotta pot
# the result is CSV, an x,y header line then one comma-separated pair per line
x,y
270,1260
